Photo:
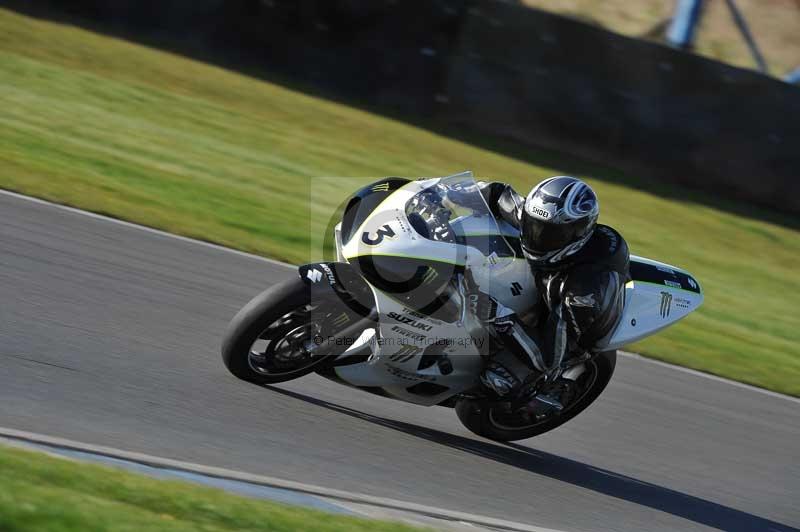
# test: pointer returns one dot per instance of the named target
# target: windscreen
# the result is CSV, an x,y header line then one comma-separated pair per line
x,y
453,210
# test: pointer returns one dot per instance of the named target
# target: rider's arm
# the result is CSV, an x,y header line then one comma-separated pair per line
x,y
504,202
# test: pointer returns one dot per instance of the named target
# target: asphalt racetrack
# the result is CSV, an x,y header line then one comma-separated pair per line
x,y
110,335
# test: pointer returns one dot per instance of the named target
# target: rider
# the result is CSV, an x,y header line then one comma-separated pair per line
x,y
580,269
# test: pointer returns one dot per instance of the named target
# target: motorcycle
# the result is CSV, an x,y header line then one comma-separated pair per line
x,y
394,314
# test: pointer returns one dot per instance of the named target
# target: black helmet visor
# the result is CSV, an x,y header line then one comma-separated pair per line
x,y
540,237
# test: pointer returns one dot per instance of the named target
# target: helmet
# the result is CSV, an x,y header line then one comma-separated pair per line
x,y
558,217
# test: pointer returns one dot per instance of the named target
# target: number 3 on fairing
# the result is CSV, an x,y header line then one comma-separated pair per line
x,y
384,231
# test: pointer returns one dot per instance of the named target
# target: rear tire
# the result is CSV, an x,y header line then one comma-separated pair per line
x,y
250,322
476,414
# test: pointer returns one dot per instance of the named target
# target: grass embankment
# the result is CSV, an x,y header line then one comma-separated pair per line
x,y
154,138
47,494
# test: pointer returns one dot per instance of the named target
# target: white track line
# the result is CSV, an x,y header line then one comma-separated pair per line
x,y
697,373
218,247
261,480
144,228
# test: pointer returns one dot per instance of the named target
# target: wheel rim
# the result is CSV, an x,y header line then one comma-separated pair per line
x,y
286,345
517,421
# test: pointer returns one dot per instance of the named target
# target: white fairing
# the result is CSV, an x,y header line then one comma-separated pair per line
x,y
650,307
400,361
405,335
395,362
406,242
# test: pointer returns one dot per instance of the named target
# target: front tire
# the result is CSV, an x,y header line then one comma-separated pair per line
x,y
250,324
478,416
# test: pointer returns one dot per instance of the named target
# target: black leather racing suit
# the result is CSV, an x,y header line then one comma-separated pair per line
x,y
583,297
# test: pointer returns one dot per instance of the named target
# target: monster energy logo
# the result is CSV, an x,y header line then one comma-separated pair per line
x,y
666,304
383,187
406,353
429,275
341,319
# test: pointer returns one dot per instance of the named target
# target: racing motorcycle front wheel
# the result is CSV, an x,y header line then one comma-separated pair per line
x,y
276,336
497,421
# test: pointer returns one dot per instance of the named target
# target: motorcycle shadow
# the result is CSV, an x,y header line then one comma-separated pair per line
x,y
573,472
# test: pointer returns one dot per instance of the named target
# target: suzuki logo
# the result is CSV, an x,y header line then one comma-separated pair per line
x,y
666,304
516,289
314,275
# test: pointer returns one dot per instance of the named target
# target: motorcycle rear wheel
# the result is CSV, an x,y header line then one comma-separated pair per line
x,y
482,417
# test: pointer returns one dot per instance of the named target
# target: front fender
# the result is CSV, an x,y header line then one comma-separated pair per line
x,y
340,280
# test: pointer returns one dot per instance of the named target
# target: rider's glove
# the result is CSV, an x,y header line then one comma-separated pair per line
x,y
498,379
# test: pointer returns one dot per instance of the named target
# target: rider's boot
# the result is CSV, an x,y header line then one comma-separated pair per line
x,y
517,360
518,371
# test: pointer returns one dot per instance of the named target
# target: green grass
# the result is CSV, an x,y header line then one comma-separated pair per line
x,y
46,494
147,136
